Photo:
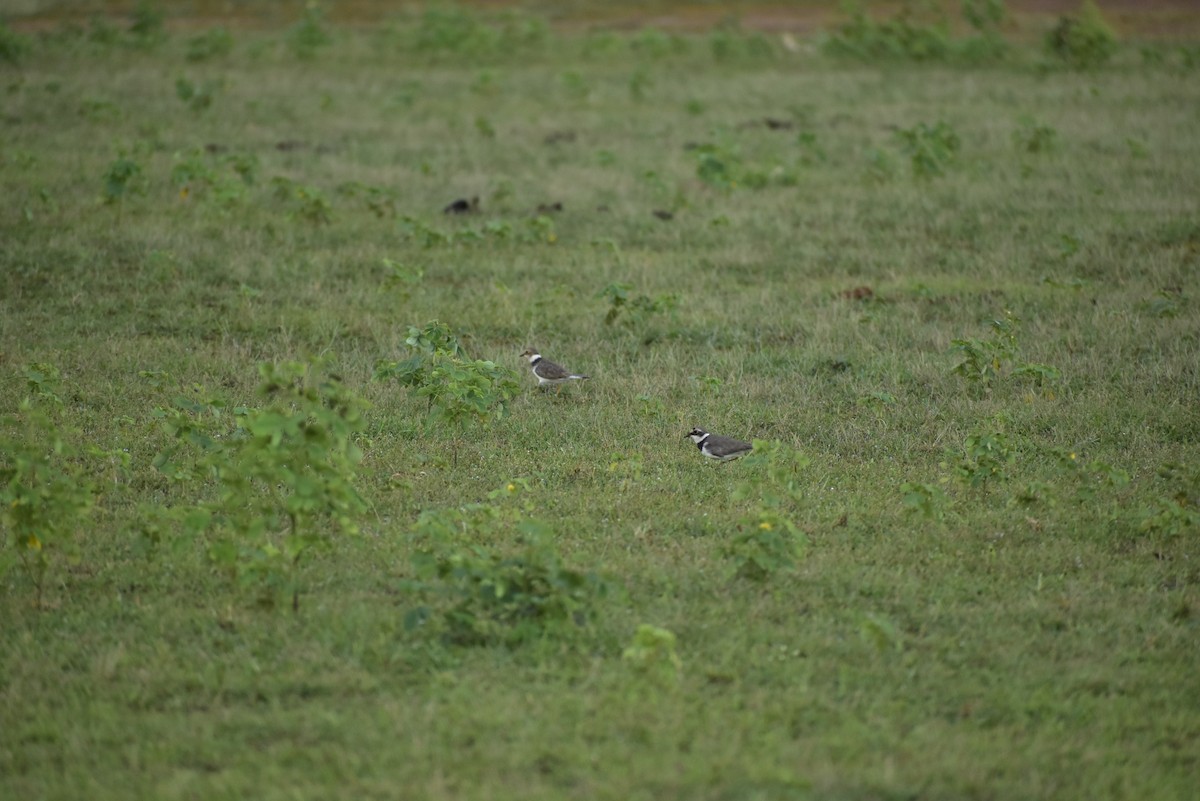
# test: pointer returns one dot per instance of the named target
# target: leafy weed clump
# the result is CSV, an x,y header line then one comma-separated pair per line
x,y
458,390
451,31
916,33
311,34
13,46
1176,513
931,149
921,31
281,479
482,591
45,496
767,540
210,45
1082,41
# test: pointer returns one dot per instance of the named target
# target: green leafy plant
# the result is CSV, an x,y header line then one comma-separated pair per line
x,y
930,149
721,166
401,279
223,181
631,308
985,360
1082,41
311,34
926,500
639,82
483,595
211,44
485,127
880,633
147,27
730,42
121,179
627,467
1092,479
197,97
1039,374
283,476
453,31
414,229
13,46
44,494
653,43
459,390
985,18
575,85
1177,513
618,295
652,655
767,540
541,229
717,166
985,458
918,32
381,201
304,202
880,165
1031,136
765,543
811,152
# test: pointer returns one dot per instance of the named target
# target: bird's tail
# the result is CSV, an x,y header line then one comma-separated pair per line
x,y
579,377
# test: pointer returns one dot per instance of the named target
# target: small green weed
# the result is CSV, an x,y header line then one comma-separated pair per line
x,y
305,203
1033,137
147,28
225,181
379,200
284,475
986,360
918,32
985,458
652,655
311,34
458,390
401,279
13,46
1083,41
211,44
634,309
197,97
44,494
767,540
122,179
926,500
1178,513
481,596
931,149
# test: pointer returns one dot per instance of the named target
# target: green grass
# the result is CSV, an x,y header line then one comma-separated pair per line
x,y
1017,642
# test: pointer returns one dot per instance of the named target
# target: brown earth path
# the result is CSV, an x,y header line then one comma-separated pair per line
x,y
1177,20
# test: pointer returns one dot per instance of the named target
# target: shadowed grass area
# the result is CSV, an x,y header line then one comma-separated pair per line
x,y
964,296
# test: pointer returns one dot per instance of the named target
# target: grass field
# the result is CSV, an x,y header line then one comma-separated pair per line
x,y
954,304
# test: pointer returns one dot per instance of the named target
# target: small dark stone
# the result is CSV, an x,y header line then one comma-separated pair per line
x,y
663,214
462,206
